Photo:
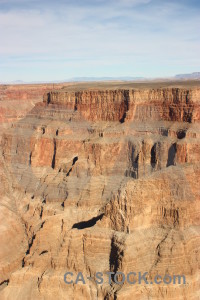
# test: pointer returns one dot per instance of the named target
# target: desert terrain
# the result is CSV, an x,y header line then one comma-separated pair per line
x,y
99,177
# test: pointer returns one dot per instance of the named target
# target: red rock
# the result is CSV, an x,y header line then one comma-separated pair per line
x,y
102,179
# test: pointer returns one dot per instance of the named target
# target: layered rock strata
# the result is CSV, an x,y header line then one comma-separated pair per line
x,y
17,100
97,180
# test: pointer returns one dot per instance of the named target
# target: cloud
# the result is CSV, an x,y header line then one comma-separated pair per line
x,y
133,2
124,36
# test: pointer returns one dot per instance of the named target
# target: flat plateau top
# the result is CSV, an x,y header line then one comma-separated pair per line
x,y
106,85
111,85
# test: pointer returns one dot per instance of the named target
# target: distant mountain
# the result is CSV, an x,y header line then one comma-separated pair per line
x,y
13,82
195,75
126,78
78,79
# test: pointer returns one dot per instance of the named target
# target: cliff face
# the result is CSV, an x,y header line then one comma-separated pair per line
x,y
170,104
97,181
17,100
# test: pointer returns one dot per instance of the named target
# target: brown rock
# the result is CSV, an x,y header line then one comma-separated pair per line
x,y
97,180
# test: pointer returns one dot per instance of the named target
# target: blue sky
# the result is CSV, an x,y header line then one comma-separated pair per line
x,y
56,40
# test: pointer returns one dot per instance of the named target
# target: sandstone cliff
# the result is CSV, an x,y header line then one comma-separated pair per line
x,y
102,179
17,100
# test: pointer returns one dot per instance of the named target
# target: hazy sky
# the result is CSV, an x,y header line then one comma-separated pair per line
x,y
57,39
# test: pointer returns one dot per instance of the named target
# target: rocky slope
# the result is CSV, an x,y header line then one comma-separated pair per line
x,y
97,179
17,100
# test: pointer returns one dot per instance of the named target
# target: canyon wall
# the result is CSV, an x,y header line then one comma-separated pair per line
x,y
17,100
170,104
97,180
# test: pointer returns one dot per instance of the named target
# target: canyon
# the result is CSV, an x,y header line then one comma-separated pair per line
x,y
17,100
99,177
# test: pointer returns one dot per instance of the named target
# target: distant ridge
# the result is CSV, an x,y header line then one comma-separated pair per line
x,y
195,75
125,78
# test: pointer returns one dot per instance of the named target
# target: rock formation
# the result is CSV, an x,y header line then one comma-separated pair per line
x,y
97,179
17,100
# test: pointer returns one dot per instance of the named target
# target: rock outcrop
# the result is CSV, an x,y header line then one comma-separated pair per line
x,y
17,100
99,179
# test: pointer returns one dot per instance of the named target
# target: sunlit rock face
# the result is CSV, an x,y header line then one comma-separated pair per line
x,y
17,100
99,179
